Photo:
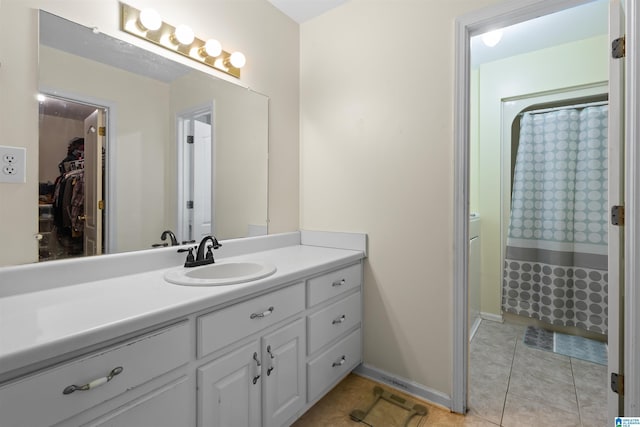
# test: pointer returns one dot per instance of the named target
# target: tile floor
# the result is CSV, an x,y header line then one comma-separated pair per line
x,y
510,385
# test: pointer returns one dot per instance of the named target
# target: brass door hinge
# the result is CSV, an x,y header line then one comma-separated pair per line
x,y
617,215
102,131
617,383
618,48
101,204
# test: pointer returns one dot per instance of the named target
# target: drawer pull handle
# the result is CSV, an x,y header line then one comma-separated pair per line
x,y
95,383
271,358
263,314
257,376
340,362
339,282
339,320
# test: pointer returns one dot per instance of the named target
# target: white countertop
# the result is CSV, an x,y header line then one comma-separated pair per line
x,y
40,325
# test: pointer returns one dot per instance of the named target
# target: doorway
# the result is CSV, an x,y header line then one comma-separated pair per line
x,y
196,180
467,26
72,168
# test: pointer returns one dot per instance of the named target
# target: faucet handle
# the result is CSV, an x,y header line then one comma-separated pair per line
x,y
190,257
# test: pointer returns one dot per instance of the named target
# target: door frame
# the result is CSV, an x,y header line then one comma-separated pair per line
x,y
478,22
181,116
109,236
632,220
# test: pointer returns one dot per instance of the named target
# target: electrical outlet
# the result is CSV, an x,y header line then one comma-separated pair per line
x,y
13,164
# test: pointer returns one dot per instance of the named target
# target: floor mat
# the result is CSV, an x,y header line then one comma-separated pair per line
x,y
568,345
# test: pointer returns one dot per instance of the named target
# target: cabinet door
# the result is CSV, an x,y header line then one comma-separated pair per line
x,y
284,381
168,406
229,389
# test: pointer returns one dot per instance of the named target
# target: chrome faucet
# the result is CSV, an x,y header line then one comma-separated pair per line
x,y
202,258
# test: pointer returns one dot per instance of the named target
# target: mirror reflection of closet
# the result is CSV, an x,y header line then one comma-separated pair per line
x,y
71,175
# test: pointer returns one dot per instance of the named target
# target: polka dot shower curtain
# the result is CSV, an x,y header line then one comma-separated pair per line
x,y
555,266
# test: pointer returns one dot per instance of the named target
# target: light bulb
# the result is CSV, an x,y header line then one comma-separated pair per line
x,y
150,19
211,48
492,38
184,35
237,59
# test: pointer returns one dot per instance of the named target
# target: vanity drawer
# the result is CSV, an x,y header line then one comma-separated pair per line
x,y
38,400
330,322
333,364
323,287
228,325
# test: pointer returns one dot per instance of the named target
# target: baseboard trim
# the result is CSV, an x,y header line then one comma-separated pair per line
x,y
492,317
474,327
404,385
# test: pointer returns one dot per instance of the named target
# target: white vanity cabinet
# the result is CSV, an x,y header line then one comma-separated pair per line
x,y
334,319
273,378
52,396
260,360
263,379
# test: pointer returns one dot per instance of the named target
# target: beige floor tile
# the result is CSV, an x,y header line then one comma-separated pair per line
x,y
356,392
523,412
591,389
544,389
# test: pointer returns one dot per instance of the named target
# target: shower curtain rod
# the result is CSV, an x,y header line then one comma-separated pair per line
x,y
566,107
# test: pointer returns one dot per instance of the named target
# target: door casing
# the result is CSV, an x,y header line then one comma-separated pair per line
x,y
478,22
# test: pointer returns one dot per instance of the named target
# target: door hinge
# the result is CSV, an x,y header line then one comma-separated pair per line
x,y
617,215
189,204
189,139
102,131
101,204
617,383
618,48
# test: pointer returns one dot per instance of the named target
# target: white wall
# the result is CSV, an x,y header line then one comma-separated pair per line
x,y
376,121
267,37
240,126
554,69
141,139
54,142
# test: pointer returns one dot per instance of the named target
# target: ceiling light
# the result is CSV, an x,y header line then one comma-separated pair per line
x,y
492,38
150,20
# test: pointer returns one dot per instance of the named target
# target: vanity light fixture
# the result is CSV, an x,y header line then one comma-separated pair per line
x,y
211,48
149,20
148,25
236,60
183,35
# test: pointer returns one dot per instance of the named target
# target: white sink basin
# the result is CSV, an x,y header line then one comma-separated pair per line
x,y
220,273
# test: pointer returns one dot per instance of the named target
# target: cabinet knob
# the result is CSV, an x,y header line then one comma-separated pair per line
x,y
339,282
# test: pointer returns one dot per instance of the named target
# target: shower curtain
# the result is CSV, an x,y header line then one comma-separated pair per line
x,y
555,266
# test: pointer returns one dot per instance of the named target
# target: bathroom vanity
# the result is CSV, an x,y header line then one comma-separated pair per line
x,y
124,347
